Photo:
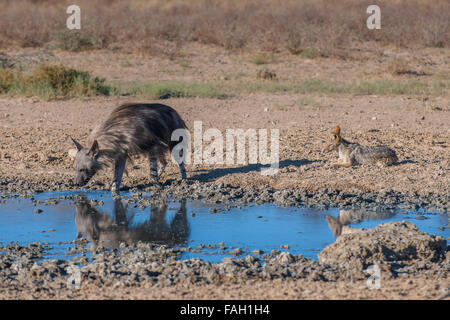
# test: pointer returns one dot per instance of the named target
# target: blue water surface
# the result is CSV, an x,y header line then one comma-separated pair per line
x,y
264,227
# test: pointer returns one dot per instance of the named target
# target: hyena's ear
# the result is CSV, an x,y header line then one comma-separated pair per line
x,y
93,151
79,146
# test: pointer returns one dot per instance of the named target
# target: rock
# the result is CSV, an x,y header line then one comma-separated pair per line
x,y
285,258
237,252
274,252
388,242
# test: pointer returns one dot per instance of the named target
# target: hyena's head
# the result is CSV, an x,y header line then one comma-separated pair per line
x,y
85,164
336,140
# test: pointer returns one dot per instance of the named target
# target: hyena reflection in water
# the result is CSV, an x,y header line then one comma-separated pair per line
x,y
131,129
103,229
339,225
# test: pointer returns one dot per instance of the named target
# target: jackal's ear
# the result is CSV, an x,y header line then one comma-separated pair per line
x,y
93,151
335,225
337,131
79,146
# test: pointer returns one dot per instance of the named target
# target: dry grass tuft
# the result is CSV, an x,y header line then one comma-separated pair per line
x,y
398,67
403,67
266,74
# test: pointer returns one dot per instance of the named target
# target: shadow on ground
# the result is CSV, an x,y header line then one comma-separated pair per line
x,y
208,175
405,162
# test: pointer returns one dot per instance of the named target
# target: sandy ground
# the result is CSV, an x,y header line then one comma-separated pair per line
x,y
35,143
35,140
410,288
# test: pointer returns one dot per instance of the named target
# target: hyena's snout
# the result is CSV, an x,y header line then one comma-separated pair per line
x,y
81,180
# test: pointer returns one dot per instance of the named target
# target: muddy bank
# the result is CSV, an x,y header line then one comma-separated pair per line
x,y
219,192
393,243
153,266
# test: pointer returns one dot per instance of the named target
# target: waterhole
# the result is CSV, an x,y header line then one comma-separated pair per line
x,y
209,232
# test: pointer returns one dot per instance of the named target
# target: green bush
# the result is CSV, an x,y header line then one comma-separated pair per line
x,y
6,80
51,82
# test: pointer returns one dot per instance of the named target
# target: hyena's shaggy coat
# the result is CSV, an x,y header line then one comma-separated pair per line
x,y
129,130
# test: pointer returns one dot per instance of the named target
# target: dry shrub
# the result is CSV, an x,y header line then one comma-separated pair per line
x,y
263,58
5,61
329,28
398,67
266,74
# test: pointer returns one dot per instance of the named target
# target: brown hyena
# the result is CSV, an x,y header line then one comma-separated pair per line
x,y
130,129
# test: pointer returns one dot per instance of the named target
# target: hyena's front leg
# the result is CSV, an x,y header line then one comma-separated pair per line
x,y
181,166
119,168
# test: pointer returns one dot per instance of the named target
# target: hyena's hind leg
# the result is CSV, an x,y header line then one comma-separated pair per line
x,y
156,159
153,161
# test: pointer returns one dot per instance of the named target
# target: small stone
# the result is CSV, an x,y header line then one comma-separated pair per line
x,y
237,252
285,258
